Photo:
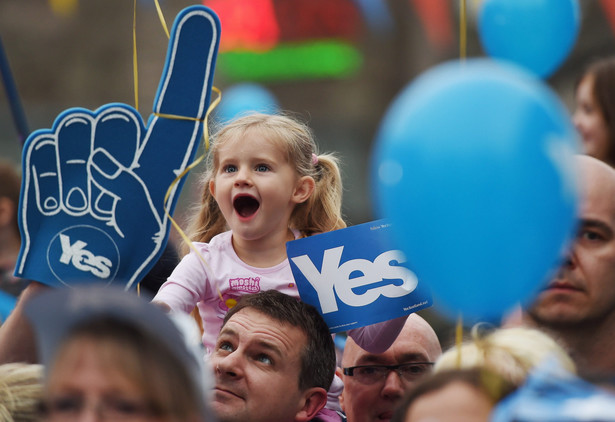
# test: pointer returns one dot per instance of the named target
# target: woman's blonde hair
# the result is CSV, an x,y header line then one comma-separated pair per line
x,y
21,391
511,352
322,212
130,352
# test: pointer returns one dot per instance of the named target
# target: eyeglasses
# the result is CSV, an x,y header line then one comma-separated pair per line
x,y
70,407
371,374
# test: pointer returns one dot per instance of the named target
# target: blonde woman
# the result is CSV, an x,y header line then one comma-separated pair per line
x,y
510,352
21,390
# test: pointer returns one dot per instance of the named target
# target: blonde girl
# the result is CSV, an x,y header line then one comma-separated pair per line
x,y
265,185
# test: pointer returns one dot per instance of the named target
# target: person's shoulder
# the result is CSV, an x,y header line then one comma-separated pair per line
x,y
220,242
329,416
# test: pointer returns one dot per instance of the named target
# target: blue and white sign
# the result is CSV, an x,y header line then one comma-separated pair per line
x,y
355,276
92,195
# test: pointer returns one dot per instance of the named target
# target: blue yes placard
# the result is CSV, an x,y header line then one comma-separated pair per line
x,y
356,276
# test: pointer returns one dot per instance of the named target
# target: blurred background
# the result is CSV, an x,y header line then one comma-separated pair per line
x,y
338,64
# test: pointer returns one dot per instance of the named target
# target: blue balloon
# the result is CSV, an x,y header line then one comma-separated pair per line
x,y
244,99
474,165
536,34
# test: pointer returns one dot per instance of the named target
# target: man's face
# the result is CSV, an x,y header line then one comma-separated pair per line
x,y
376,401
583,292
257,364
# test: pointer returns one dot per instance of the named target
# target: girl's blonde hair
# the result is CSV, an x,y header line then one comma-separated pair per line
x,y
510,352
322,212
21,390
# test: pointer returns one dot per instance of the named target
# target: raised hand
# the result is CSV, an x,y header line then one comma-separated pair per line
x,y
93,187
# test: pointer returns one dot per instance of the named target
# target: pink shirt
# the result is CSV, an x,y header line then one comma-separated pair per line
x,y
214,287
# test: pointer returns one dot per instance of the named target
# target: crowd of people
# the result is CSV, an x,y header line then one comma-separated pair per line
x,y
255,351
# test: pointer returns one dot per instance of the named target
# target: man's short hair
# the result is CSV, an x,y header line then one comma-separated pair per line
x,y
318,357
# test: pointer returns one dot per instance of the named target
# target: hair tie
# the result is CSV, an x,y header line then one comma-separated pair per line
x,y
314,159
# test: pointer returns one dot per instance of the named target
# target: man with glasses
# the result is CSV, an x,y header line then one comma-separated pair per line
x,y
375,383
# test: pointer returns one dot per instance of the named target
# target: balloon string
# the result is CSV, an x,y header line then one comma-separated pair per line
x,y
459,340
462,30
211,107
183,235
162,20
135,72
135,77
462,57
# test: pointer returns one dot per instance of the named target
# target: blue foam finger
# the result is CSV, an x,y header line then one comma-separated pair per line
x,y
185,86
67,245
184,91
73,154
41,178
120,134
108,172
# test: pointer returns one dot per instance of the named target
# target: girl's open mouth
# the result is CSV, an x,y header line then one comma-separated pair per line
x,y
245,205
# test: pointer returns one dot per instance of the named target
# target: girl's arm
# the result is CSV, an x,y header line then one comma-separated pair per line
x,y
185,287
377,338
